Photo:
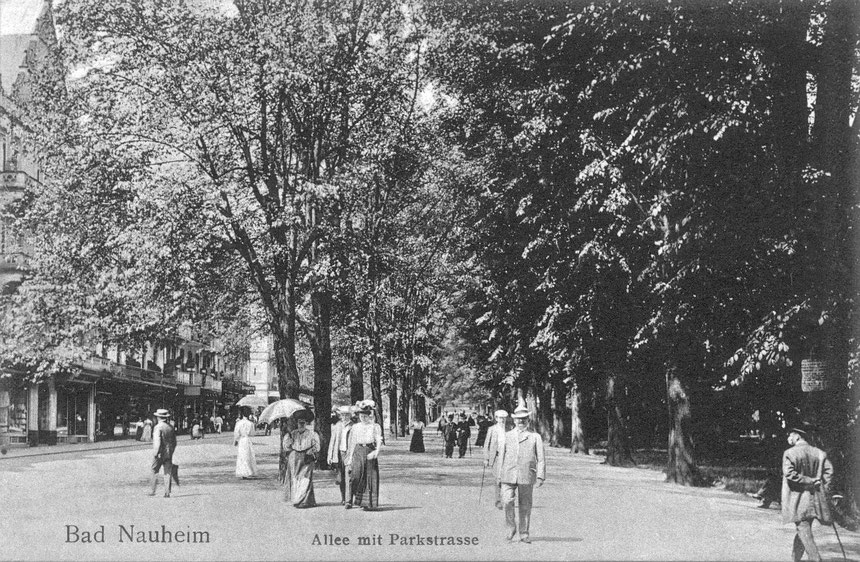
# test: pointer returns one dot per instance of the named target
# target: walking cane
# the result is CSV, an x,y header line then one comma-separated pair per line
x,y
483,472
836,499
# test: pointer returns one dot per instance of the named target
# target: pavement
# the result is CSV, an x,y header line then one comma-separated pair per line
x,y
53,502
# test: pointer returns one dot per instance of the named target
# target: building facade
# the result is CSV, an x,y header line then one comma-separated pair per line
x,y
105,395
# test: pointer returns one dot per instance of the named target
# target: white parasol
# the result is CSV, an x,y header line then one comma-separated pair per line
x,y
281,409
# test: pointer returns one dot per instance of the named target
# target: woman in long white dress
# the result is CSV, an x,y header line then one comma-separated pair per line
x,y
246,462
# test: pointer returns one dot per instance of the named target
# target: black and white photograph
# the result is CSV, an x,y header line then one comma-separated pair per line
x,y
470,280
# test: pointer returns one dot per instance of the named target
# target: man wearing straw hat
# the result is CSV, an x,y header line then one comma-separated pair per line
x,y
495,436
806,479
521,455
337,447
163,445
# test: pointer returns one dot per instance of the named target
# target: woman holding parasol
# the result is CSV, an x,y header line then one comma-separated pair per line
x,y
302,446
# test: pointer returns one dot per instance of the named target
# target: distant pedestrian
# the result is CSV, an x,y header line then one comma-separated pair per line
x,y
303,447
246,461
450,436
483,425
146,435
464,433
138,429
522,459
163,447
443,421
417,444
337,449
219,423
196,429
365,442
806,480
495,436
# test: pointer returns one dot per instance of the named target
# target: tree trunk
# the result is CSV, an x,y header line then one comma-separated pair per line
x,y
578,443
420,405
558,414
375,368
404,400
618,452
392,408
544,412
321,348
681,466
356,375
284,340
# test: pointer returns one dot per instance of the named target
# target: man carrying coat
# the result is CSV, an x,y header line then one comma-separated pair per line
x,y
495,436
521,454
806,475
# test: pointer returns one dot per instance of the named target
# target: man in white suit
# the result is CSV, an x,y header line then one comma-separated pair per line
x,y
337,449
495,435
521,455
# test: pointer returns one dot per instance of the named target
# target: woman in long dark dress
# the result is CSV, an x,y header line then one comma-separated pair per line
x,y
364,444
303,448
417,444
483,425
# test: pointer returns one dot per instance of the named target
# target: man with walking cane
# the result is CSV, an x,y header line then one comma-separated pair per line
x,y
495,435
521,455
806,476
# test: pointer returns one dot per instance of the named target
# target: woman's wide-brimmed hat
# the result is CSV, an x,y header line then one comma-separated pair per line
x,y
161,413
366,406
305,415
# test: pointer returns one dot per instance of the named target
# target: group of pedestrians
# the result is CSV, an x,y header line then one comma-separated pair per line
x,y
353,455
515,454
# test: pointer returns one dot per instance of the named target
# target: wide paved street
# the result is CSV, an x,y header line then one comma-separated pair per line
x,y
585,511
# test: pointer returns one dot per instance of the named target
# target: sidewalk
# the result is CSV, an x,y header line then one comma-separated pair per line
x,y
18,451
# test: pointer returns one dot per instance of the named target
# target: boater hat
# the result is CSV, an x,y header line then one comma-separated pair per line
x,y
161,413
500,414
521,412
343,410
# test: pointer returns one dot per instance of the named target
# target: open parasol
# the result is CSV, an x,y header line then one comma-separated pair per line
x,y
281,409
253,401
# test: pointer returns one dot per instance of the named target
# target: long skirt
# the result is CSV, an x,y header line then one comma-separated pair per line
x,y
364,479
417,445
482,436
146,435
299,485
246,461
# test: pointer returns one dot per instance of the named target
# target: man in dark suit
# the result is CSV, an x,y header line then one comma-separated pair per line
x,y
464,432
521,454
163,446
